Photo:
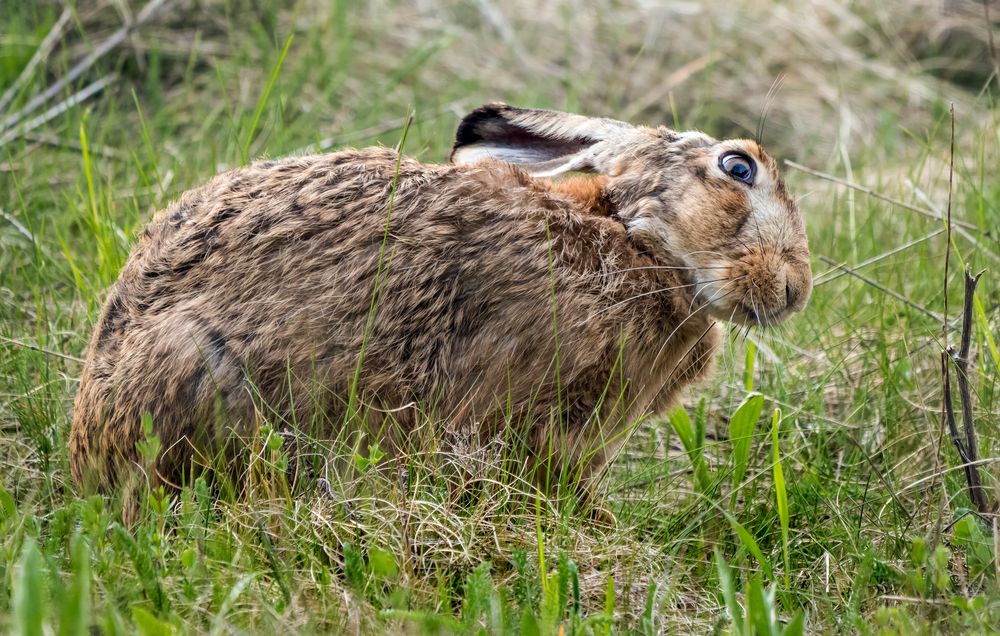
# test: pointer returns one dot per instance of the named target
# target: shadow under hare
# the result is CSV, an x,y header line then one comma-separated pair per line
x,y
489,290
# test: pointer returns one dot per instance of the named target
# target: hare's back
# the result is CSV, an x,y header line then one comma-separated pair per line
x,y
243,218
279,261
265,236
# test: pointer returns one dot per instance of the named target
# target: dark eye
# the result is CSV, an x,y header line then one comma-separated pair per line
x,y
738,166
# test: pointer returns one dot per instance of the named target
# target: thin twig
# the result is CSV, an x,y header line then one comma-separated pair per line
x,y
18,226
663,88
914,599
72,144
956,227
41,54
967,448
873,259
961,360
985,250
996,548
875,195
83,65
946,416
923,480
949,417
372,131
82,95
947,247
882,288
28,345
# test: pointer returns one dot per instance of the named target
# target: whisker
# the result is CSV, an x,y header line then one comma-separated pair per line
x,y
656,358
713,252
665,267
760,239
732,281
756,313
732,314
656,291
768,100
744,245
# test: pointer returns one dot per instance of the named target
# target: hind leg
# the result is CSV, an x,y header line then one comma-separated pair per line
x,y
181,375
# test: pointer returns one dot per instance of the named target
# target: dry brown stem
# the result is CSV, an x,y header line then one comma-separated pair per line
x,y
967,448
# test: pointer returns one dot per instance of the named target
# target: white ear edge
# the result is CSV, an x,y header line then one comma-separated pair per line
x,y
537,163
510,154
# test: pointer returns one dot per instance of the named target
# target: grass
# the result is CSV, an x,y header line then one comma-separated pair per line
x,y
809,481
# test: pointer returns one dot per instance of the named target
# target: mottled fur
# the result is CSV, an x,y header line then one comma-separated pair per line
x,y
504,298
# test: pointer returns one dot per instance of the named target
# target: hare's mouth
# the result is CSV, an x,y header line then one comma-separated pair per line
x,y
729,298
742,312
758,317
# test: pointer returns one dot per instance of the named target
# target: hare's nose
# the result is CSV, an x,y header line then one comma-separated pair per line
x,y
790,295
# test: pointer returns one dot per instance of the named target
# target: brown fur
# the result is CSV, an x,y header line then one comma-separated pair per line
x,y
588,192
262,281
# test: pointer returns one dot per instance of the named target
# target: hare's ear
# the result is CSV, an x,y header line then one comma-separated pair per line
x,y
543,142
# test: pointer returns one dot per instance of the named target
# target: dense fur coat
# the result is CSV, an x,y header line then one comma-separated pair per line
x,y
501,298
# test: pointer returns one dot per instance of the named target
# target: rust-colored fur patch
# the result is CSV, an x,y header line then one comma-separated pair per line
x,y
588,190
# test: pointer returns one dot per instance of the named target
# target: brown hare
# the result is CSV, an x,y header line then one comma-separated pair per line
x,y
573,306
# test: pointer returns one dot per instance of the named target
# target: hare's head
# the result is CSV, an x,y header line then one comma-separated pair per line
x,y
716,209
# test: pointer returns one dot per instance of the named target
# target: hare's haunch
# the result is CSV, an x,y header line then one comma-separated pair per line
x,y
504,294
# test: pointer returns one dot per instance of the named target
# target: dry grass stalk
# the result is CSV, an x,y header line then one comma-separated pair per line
x,y
885,290
967,447
83,65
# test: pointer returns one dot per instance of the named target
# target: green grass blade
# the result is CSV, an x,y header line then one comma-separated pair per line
x,y
529,624
540,544
88,170
648,624
264,97
748,367
147,141
741,428
758,608
352,396
7,506
796,626
729,592
75,619
750,544
681,423
29,591
147,624
983,324
609,603
700,425
780,491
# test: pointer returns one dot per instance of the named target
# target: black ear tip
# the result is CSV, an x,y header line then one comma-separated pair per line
x,y
474,125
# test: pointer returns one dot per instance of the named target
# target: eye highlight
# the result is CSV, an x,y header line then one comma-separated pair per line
x,y
738,166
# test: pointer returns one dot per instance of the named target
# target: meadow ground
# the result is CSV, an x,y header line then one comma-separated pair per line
x,y
847,511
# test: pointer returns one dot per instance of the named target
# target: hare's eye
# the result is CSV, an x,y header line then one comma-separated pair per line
x,y
738,166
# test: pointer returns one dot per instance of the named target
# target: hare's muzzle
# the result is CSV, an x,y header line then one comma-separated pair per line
x,y
761,288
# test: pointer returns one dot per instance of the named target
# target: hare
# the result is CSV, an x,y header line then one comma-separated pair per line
x,y
488,290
